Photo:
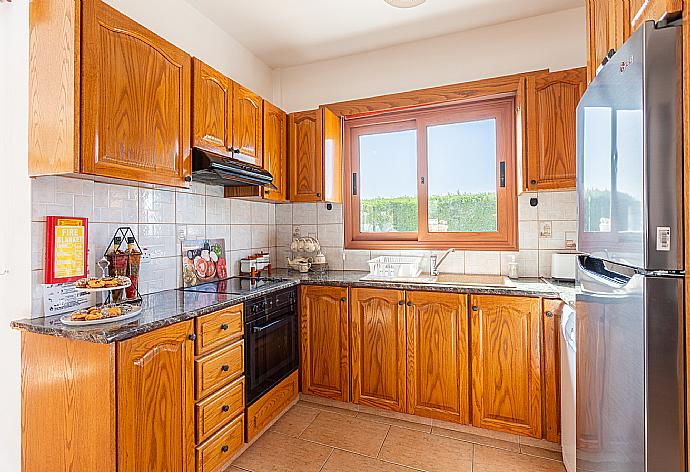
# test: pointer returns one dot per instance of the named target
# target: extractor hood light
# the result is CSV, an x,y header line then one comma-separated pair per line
x,y
404,3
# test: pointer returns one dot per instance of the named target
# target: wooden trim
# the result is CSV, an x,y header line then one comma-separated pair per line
x,y
505,238
551,391
477,89
68,406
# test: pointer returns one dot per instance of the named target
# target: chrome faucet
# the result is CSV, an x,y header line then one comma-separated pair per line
x,y
435,262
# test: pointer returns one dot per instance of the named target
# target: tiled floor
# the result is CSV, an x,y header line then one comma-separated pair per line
x,y
312,437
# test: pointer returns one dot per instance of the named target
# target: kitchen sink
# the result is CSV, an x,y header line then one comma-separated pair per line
x,y
466,280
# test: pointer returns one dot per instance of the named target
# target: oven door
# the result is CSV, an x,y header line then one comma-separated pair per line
x,y
272,351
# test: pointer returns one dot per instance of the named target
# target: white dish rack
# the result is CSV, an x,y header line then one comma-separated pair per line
x,y
396,266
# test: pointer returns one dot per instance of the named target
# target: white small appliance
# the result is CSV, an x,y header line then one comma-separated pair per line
x,y
563,265
568,350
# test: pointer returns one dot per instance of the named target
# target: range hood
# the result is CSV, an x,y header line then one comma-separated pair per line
x,y
215,169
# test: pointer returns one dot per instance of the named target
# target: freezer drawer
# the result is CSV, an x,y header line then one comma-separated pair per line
x,y
629,369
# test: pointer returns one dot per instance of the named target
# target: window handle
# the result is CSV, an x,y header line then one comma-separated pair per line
x,y
502,174
354,183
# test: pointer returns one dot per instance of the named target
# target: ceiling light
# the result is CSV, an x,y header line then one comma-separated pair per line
x,y
404,3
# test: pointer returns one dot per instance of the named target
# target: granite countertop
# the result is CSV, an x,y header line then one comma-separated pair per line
x,y
172,306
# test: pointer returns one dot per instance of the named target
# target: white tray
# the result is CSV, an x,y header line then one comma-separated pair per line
x,y
66,319
105,289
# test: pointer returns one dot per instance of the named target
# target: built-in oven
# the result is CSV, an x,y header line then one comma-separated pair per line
x,y
271,341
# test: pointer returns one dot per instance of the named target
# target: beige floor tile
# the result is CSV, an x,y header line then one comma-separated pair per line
x,y
343,461
542,443
395,422
294,422
333,409
476,439
352,434
278,452
426,451
540,452
490,459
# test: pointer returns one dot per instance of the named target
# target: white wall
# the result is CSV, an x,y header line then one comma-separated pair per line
x,y
15,214
555,41
181,24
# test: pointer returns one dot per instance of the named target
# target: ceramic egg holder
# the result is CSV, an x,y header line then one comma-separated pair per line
x,y
306,254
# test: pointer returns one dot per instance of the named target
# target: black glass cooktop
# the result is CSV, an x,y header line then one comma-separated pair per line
x,y
235,285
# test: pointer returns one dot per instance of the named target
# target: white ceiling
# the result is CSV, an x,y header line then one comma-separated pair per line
x,y
283,33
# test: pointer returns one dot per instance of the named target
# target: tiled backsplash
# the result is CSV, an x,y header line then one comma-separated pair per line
x,y
555,213
159,216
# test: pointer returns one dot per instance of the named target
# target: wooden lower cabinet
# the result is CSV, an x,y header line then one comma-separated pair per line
x,y
155,400
506,363
268,407
377,334
214,454
437,356
325,360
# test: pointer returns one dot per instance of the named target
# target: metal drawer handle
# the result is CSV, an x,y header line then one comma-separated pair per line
x,y
258,329
549,314
475,308
224,326
401,302
225,408
410,303
344,299
225,368
224,449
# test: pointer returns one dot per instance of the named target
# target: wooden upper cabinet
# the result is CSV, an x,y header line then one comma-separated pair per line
x,y
551,128
437,357
325,360
275,150
211,109
601,33
135,100
247,125
155,400
306,172
641,10
377,333
315,156
506,364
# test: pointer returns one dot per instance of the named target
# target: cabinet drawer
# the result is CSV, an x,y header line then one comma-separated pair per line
x,y
214,454
218,369
215,329
261,413
216,410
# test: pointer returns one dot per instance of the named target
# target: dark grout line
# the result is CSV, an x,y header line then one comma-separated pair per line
x,y
383,442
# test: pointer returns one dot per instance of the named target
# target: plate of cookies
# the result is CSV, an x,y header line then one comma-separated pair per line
x,y
102,284
101,314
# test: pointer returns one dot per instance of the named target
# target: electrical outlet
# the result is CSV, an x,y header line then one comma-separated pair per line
x,y
296,231
145,255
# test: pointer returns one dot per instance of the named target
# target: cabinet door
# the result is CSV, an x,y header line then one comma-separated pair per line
x,y
325,359
641,11
135,103
247,124
212,109
378,347
332,151
552,369
306,165
551,120
599,34
275,150
437,357
506,364
155,400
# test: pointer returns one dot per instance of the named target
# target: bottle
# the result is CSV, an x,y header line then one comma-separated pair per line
x,y
133,263
513,268
118,265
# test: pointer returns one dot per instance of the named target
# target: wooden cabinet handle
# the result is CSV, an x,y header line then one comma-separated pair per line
x,y
549,314
225,368
475,308
224,449
225,408
224,326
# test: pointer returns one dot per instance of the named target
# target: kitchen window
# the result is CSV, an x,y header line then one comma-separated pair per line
x,y
432,178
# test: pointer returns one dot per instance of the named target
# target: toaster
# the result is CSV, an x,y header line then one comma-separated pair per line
x,y
563,265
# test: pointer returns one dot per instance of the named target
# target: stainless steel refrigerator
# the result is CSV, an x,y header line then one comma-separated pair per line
x,y
629,328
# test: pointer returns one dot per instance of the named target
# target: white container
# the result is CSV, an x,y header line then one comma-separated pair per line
x,y
395,266
563,266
